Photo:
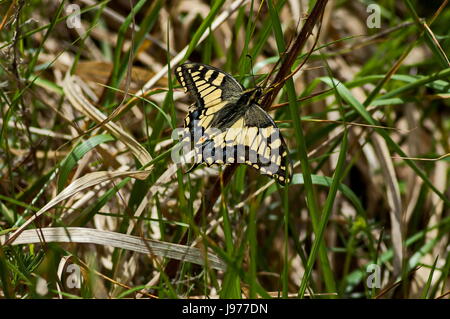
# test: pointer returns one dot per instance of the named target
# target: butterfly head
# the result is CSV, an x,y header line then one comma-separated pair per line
x,y
258,91
252,95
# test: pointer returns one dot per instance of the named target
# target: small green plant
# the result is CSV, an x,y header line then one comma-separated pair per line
x,y
92,204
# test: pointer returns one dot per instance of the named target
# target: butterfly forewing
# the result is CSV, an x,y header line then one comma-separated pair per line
x,y
207,84
226,126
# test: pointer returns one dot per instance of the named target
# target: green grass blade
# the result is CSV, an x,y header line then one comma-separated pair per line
x,y
338,174
353,102
310,193
76,154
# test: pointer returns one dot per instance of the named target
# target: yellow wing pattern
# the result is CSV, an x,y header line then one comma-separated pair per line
x,y
226,125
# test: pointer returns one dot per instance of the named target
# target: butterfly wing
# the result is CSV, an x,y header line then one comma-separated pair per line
x,y
224,130
212,90
255,140
263,138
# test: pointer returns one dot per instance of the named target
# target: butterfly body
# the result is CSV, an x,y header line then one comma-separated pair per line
x,y
226,124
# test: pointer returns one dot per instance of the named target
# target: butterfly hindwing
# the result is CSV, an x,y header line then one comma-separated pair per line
x,y
269,145
255,140
226,125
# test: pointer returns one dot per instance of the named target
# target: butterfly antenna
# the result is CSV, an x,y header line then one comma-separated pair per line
x,y
272,71
251,69
282,55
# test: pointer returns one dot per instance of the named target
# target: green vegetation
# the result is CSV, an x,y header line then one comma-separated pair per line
x,y
88,104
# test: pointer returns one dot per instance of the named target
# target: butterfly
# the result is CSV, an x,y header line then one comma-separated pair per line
x,y
226,125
